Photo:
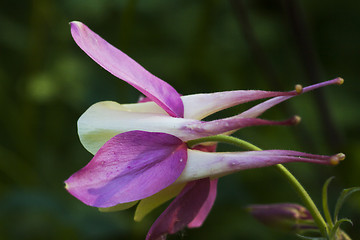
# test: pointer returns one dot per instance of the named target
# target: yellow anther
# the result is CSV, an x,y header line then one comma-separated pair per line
x,y
340,80
341,156
334,160
296,120
298,88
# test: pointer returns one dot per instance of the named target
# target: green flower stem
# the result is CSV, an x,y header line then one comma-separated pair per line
x,y
225,139
308,202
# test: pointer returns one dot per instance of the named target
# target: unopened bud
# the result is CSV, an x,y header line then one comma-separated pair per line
x,y
287,217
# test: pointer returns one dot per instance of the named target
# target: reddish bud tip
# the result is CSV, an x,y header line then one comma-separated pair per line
x,y
283,216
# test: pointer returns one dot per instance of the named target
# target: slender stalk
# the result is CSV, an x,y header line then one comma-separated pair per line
x,y
325,203
299,189
310,205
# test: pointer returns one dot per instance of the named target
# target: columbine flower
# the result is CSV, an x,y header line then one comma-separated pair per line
x,y
287,217
141,151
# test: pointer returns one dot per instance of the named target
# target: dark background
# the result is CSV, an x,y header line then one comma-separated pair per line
x,y
47,82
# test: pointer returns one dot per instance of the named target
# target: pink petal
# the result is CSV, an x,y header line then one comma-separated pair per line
x,y
262,107
125,68
130,166
181,211
206,207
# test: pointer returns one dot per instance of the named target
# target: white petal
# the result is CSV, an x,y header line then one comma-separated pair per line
x,y
104,120
145,107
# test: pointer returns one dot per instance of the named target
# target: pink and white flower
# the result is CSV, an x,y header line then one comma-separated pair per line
x,y
141,151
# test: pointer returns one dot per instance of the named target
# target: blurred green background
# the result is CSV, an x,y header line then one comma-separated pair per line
x,y
47,82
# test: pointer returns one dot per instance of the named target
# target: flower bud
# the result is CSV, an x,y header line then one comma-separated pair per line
x,y
287,217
